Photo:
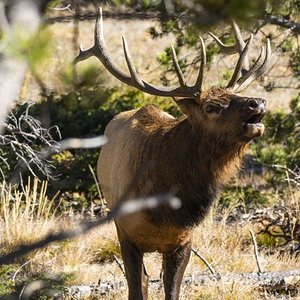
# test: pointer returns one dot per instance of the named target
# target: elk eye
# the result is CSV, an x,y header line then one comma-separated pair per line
x,y
213,108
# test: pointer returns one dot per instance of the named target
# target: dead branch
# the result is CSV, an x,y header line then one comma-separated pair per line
x,y
270,280
23,139
31,145
31,288
280,222
125,207
68,8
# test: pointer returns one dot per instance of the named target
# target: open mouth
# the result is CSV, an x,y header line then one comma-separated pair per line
x,y
253,127
256,118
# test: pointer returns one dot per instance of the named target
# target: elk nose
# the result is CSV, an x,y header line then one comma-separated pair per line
x,y
253,104
257,104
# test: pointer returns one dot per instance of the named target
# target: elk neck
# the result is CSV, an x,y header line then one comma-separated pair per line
x,y
195,165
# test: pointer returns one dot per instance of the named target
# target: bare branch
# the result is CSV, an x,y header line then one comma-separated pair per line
x,y
25,139
84,143
31,288
124,208
19,269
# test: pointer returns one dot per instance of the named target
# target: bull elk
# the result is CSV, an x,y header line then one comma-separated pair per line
x,y
193,156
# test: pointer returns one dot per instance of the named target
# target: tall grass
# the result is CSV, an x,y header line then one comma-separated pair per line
x,y
28,215
25,215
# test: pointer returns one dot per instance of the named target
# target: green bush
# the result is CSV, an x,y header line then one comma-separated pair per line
x,y
279,148
246,197
6,282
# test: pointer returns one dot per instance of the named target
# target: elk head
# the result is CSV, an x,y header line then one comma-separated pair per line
x,y
218,110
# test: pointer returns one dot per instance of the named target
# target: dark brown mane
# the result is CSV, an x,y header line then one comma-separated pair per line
x,y
204,163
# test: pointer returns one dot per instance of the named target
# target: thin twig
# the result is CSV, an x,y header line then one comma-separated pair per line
x,y
102,200
260,270
120,264
211,269
68,7
19,269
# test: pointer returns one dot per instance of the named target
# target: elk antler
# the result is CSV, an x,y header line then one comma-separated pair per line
x,y
235,48
248,75
99,50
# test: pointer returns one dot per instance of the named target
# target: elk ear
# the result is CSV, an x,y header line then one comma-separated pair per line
x,y
187,105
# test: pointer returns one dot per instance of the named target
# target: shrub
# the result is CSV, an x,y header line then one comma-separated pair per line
x,y
24,145
245,197
279,147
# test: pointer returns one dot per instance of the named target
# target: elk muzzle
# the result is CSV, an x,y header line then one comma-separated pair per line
x,y
252,126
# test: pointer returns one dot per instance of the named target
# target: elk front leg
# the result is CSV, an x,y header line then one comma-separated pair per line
x,y
174,264
135,272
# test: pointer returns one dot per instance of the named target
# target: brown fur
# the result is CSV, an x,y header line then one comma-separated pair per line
x,y
149,152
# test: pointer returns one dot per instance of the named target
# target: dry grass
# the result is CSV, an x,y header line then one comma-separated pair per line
x,y
26,215
29,215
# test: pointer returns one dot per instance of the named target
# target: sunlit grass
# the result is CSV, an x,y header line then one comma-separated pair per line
x,y
29,215
26,215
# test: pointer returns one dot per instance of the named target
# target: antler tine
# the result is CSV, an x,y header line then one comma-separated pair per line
x,y
239,64
99,25
200,78
255,66
237,47
130,64
240,43
256,70
99,50
102,54
224,48
177,68
83,54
